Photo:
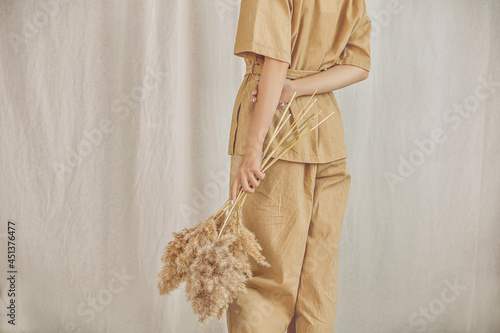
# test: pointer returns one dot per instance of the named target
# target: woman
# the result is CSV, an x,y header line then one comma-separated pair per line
x,y
297,212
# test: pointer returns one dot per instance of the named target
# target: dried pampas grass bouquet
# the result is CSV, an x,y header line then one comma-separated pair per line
x,y
212,257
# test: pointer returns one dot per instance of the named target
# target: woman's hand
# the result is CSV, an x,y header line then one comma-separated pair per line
x,y
286,93
273,78
248,171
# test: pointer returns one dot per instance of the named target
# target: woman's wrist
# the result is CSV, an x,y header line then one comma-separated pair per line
x,y
253,149
254,141
296,87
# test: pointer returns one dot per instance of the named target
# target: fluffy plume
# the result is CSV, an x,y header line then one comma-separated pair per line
x,y
200,235
215,267
214,270
246,241
233,227
215,279
169,277
252,246
180,253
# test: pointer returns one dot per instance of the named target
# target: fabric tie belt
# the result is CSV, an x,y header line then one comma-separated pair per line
x,y
254,68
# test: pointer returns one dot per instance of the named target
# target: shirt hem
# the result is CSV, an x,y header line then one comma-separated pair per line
x,y
260,49
313,158
361,63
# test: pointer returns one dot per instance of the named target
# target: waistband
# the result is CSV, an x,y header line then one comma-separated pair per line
x,y
254,68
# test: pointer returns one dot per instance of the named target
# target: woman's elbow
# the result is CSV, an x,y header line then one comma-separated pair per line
x,y
364,74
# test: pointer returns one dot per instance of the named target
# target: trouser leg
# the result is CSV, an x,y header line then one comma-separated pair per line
x,y
317,295
278,212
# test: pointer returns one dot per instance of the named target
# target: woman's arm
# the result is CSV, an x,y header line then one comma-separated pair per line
x,y
334,78
271,81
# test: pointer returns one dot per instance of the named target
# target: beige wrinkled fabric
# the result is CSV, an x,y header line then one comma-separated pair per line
x,y
296,214
89,243
297,211
310,36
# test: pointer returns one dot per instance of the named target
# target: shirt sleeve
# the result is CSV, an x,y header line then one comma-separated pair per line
x,y
357,50
264,28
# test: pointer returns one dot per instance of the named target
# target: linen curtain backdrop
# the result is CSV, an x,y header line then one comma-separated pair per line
x,y
114,127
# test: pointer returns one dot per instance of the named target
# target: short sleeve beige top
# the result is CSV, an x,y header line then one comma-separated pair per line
x,y
310,35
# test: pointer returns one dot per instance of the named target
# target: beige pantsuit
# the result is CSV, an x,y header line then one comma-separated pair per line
x,y
297,211
296,214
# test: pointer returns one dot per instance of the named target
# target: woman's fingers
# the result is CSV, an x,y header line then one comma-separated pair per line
x,y
234,188
245,186
255,183
254,93
248,183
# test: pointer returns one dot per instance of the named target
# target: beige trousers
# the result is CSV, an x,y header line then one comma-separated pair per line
x,y
296,214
